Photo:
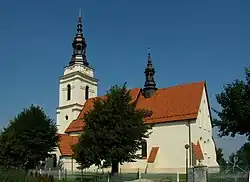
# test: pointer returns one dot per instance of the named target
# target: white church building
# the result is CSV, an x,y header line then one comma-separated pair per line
x,y
180,114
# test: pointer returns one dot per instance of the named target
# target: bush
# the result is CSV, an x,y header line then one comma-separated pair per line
x,y
15,175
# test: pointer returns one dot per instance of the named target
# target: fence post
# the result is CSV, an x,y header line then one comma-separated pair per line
x,y
177,177
65,174
108,176
139,173
59,174
249,177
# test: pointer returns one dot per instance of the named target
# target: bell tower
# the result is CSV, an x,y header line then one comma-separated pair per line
x,y
77,84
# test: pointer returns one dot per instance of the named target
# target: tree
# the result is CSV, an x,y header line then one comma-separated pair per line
x,y
220,157
243,155
235,103
114,131
241,158
83,154
28,139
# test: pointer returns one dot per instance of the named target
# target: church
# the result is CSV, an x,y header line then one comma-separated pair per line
x,y
180,114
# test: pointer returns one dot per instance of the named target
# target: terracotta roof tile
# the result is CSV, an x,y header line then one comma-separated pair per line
x,y
197,151
167,104
153,154
66,143
75,126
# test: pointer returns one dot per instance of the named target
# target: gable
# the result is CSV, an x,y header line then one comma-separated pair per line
x,y
171,104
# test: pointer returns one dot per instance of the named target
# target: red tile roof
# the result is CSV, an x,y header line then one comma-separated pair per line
x,y
153,154
167,104
197,151
66,143
176,103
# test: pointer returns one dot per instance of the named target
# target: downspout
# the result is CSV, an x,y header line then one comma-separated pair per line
x,y
190,143
72,160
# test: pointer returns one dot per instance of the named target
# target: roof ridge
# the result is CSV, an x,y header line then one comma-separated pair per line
x,y
184,84
106,94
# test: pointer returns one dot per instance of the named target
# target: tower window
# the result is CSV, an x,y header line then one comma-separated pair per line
x,y
78,47
87,92
144,149
68,92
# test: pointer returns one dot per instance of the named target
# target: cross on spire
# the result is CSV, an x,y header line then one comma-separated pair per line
x,y
80,12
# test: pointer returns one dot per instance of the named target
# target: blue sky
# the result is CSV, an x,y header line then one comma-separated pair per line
x,y
190,41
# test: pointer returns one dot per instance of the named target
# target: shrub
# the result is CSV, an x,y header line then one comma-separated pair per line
x,y
15,175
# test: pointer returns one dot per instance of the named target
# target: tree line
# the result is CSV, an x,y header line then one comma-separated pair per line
x,y
114,130
243,155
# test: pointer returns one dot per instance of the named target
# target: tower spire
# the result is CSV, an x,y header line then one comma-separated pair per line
x,y
150,85
79,45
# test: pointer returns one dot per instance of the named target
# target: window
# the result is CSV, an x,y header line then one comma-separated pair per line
x,y
68,92
144,149
66,117
87,92
79,47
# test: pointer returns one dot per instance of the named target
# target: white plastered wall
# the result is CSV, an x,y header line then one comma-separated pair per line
x,y
202,131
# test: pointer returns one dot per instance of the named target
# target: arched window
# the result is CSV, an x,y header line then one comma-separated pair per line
x,y
68,92
144,149
87,92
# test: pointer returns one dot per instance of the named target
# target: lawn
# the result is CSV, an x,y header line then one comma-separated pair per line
x,y
125,177
15,175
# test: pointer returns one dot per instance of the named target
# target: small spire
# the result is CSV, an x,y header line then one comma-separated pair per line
x,y
149,58
148,50
79,25
79,45
150,85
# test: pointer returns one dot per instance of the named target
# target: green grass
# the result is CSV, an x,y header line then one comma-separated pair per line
x,y
126,177
230,177
19,176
